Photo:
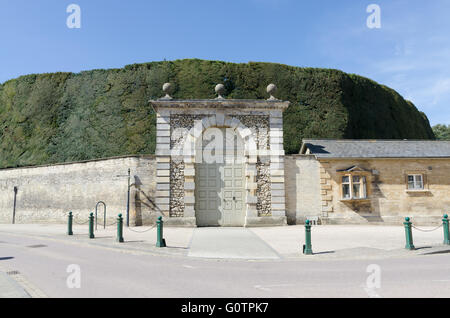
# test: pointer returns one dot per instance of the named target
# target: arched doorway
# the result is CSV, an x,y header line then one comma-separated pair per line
x,y
220,178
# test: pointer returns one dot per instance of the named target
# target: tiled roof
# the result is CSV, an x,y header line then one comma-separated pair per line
x,y
329,148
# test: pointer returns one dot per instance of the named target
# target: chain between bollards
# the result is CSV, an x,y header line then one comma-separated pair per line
x,y
70,224
91,226
120,229
446,230
408,233
160,241
307,248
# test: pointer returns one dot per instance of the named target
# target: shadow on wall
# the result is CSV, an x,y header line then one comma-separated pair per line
x,y
292,213
142,199
377,194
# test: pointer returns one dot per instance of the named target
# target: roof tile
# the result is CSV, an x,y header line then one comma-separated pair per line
x,y
329,148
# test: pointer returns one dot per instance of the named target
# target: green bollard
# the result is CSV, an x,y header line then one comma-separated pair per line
x,y
409,237
91,226
307,248
69,224
160,241
446,231
120,229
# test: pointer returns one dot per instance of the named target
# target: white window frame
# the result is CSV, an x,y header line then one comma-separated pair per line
x,y
416,182
351,183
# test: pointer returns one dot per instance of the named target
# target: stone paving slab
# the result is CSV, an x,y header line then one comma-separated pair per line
x,y
10,288
229,243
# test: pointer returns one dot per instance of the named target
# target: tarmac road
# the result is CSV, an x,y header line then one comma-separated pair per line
x,y
106,272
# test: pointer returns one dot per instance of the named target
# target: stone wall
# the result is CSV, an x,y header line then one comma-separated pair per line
x,y
312,189
389,201
46,194
303,193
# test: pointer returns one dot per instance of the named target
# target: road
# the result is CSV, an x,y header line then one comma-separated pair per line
x,y
112,273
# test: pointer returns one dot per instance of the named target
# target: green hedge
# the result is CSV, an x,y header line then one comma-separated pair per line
x,y
50,118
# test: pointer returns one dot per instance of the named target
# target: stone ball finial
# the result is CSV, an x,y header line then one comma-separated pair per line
x,y
271,89
167,88
220,90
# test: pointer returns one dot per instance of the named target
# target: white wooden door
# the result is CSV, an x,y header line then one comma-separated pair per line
x,y
207,194
220,195
219,188
233,195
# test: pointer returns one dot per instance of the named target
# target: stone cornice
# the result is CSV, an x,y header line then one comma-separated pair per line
x,y
241,104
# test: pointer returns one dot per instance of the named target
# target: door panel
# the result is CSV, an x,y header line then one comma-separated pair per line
x,y
220,190
219,195
207,195
233,194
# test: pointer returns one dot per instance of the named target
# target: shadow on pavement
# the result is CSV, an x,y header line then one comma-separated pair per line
x,y
437,252
423,247
178,248
326,252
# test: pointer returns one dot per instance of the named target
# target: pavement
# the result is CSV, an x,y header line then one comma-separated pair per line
x,y
13,284
27,252
9,288
230,243
271,243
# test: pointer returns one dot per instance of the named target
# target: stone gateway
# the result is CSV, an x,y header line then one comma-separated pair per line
x,y
220,162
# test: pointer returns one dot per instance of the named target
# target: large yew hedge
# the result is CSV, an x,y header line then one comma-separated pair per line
x,y
50,118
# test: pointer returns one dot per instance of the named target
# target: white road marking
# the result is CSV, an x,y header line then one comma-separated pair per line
x,y
371,292
269,287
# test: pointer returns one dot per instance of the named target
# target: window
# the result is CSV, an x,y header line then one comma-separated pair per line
x,y
346,187
415,182
354,187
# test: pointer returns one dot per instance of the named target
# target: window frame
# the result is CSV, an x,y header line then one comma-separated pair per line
x,y
349,184
364,189
415,175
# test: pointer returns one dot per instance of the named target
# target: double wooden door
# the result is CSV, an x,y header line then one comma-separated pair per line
x,y
220,194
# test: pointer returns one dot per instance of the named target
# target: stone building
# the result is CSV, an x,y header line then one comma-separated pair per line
x,y
380,181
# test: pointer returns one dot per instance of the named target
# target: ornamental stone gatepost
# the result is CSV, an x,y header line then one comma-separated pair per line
x,y
220,162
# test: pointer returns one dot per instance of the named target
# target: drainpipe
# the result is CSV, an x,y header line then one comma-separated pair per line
x,y
14,208
128,198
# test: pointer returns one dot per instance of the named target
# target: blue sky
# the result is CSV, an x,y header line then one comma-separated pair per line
x,y
410,53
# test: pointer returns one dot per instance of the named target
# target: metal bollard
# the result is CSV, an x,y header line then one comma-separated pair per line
x,y
91,226
446,230
160,241
307,248
408,232
69,224
120,229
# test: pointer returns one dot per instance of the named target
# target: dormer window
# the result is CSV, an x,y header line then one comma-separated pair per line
x,y
354,183
354,187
